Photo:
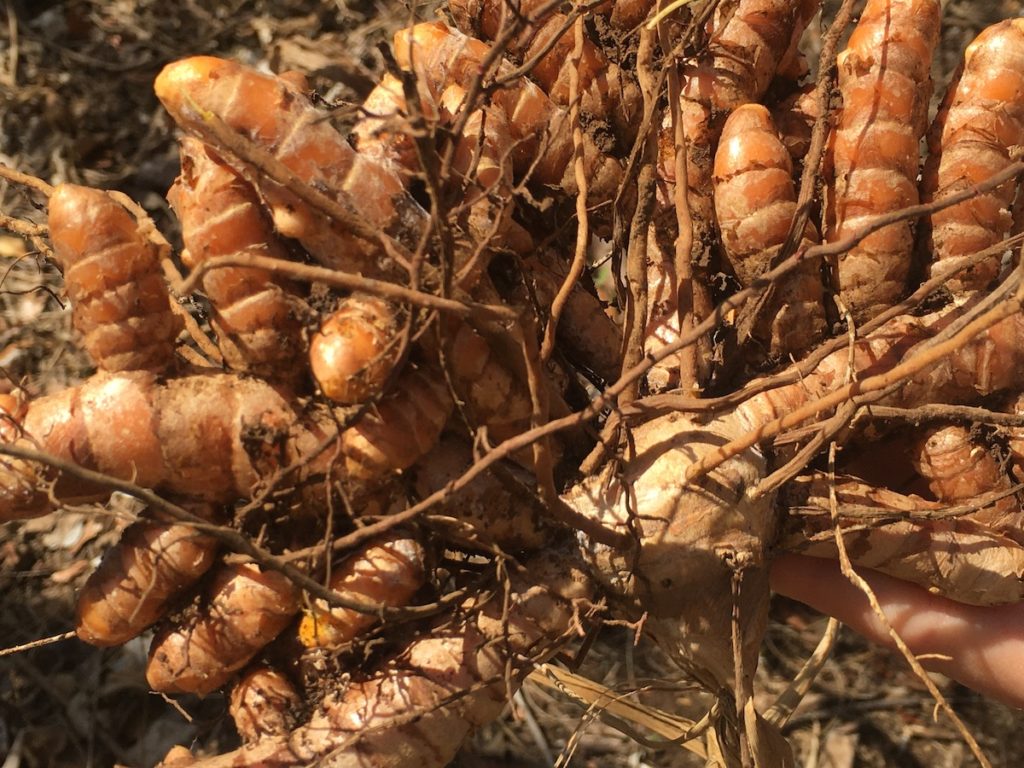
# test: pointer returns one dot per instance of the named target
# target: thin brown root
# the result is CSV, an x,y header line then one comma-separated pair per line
x,y
579,259
916,362
332,277
858,581
26,180
684,223
37,643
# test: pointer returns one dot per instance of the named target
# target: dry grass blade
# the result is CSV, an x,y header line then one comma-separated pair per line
x,y
674,728
665,12
786,703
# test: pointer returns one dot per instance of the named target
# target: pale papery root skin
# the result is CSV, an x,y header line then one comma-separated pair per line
x,y
683,532
963,559
960,559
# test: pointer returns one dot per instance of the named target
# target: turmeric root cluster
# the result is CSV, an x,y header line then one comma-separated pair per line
x,y
375,492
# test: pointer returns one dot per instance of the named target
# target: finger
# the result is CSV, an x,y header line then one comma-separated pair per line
x,y
980,647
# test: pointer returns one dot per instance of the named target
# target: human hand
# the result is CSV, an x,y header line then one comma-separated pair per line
x,y
980,647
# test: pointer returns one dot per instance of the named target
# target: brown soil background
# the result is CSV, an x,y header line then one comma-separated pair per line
x,y
76,105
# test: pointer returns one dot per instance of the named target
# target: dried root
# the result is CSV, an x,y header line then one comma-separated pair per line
x,y
418,710
957,558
